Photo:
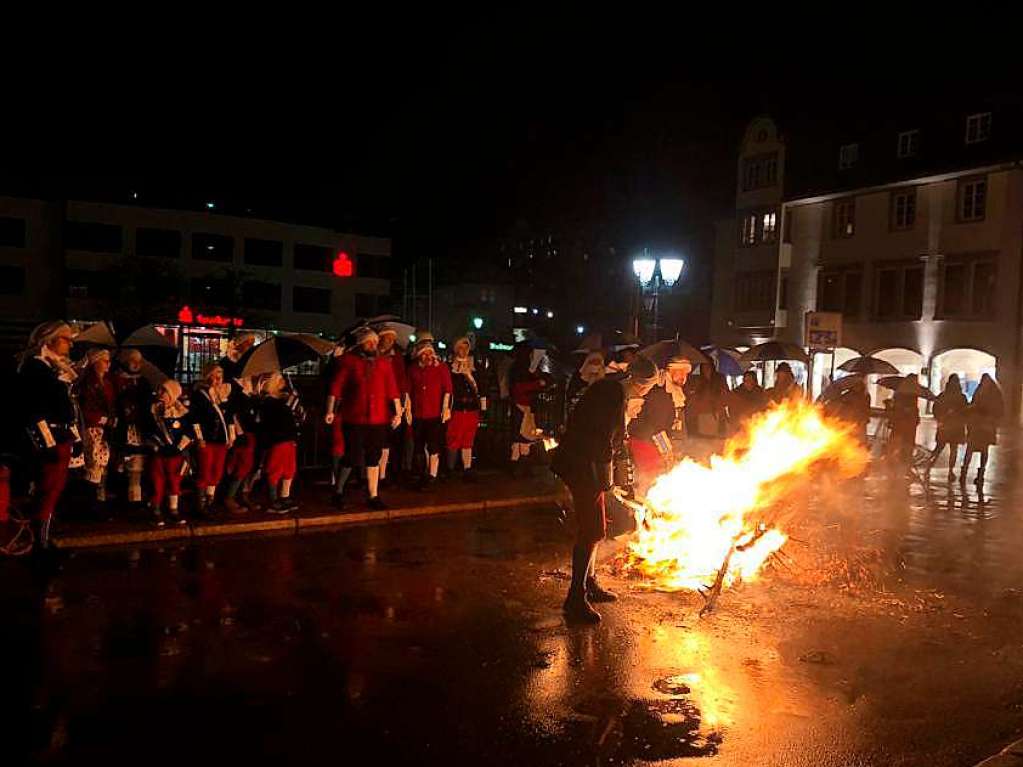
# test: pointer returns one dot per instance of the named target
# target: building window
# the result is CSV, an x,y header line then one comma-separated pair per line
x,y
261,295
978,127
93,237
760,172
903,212
213,247
845,218
313,300
972,199
909,144
157,243
315,258
840,290
365,304
12,280
969,287
899,291
12,232
755,291
848,155
264,252
748,230
769,227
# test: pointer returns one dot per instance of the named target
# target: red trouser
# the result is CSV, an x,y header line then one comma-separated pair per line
x,y
241,461
462,429
211,464
53,469
165,476
5,492
281,462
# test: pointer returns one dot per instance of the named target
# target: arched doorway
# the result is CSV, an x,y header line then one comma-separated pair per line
x,y
968,364
825,368
906,361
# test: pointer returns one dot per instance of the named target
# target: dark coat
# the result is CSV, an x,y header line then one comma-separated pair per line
x,y
950,412
594,436
657,415
983,416
743,402
279,420
168,436
464,396
209,417
45,397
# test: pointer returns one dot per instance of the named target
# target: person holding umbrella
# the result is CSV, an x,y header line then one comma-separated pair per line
x,y
429,383
45,377
370,402
168,430
97,401
134,396
950,413
212,434
982,417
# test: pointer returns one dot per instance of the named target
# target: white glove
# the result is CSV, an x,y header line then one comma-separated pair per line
x,y
445,416
396,421
483,403
328,419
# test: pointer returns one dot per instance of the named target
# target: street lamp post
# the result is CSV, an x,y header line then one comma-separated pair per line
x,y
651,274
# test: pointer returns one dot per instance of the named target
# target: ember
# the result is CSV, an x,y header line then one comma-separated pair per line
x,y
713,526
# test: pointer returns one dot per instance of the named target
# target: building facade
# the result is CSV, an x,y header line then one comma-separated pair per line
x,y
912,231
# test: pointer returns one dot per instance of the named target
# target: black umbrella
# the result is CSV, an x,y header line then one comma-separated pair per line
x,y
869,366
776,351
154,346
662,351
281,352
901,385
840,387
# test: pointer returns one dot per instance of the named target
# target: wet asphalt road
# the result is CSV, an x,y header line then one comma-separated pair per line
x,y
896,639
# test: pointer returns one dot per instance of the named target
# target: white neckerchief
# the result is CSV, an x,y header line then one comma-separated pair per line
x,y
65,372
465,367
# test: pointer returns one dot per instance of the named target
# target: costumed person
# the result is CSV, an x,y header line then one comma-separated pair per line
x,y
467,405
97,400
650,435
950,409
280,418
45,377
390,353
429,383
332,418
524,385
134,397
212,435
591,370
675,377
982,419
747,399
168,431
231,363
243,420
585,460
369,406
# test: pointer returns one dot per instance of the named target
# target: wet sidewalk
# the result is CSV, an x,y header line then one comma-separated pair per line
x,y
490,490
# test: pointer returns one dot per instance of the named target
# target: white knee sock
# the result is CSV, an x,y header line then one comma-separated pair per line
x,y
466,458
285,488
384,455
172,502
134,486
372,480
211,490
515,451
434,464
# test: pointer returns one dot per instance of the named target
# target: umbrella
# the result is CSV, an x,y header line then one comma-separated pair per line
x,y
403,329
97,334
153,375
839,387
908,386
869,366
662,351
148,335
775,350
726,360
594,342
281,352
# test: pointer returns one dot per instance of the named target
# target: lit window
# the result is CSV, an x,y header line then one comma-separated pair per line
x,y
909,143
848,154
769,227
972,199
845,218
904,210
978,128
748,233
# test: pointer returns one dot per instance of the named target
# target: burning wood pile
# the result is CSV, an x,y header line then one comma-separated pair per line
x,y
704,528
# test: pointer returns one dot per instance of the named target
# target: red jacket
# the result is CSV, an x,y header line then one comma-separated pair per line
x,y
400,378
428,385
366,389
96,399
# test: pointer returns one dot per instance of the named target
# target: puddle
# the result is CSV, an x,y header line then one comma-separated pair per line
x,y
656,730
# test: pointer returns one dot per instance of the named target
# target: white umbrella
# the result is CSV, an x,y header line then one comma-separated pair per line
x,y
281,352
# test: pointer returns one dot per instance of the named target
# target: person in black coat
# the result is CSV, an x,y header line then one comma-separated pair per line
x,y
242,411
585,461
167,431
49,415
208,406
280,417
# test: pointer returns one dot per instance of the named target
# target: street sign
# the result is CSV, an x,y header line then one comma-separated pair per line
x,y
823,330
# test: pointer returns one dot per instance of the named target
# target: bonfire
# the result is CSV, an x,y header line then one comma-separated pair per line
x,y
706,527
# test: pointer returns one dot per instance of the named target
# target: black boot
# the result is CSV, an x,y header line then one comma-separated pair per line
x,y
979,480
577,608
595,593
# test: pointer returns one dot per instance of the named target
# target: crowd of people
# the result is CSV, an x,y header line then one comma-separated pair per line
x,y
109,414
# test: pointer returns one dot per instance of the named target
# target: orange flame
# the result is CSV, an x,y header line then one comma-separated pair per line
x,y
696,514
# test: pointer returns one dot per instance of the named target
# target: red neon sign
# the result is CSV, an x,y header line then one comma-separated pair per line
x,y
186,317
343,266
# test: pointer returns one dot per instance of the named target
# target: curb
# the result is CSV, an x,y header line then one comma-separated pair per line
x,y
1010,756
295,525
